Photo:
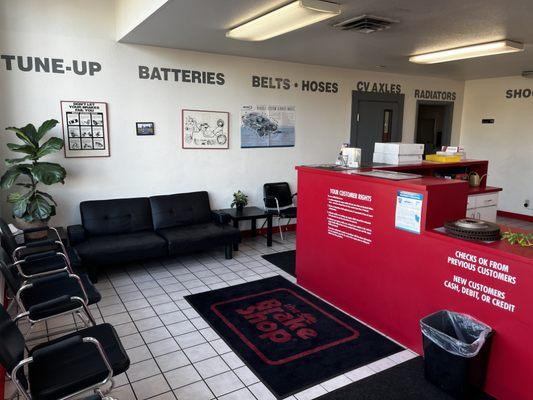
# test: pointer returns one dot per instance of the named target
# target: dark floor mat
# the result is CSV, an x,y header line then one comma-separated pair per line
x,y
403,382
289,337
286,260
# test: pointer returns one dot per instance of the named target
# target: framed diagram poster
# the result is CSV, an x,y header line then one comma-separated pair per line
x,y
205,129
85,129
268,126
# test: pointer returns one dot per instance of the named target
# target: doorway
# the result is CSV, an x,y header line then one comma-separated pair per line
x,y
376,117
434,124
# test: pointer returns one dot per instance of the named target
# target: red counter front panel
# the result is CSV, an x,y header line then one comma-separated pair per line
x,y
350,253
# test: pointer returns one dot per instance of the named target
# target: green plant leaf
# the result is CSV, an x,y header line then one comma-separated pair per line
x,y
20,202
50,146
27,134
15,196
20,208
47,196
13,161
21,148
45,127
48,173
11,175
39,208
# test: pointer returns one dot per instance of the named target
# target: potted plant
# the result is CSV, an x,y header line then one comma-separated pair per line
x,y
239,201
32,207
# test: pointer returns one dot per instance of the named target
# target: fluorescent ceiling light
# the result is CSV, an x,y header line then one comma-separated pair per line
x,y
288,18
461,53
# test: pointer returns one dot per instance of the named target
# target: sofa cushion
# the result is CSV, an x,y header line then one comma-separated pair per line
x,y
117,249
199,237
180,209
108,217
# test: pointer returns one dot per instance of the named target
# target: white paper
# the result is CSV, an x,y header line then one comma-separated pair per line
x,y
409,211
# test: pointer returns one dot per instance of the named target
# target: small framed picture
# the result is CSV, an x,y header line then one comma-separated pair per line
x,y
145,128
203,129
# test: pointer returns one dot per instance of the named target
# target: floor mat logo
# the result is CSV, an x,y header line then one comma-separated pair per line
x,y
281,326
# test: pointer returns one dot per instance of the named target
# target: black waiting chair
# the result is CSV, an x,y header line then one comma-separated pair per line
x,y
51,296
280,202
53,244
35,258
64,367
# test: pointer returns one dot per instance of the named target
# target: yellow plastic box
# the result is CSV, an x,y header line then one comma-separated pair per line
x,y
442,159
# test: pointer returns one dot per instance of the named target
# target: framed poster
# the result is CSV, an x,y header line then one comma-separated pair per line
x,y
203,129
267,126
85,129
145,128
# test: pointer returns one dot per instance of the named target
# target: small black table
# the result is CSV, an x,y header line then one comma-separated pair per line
x,y
250,214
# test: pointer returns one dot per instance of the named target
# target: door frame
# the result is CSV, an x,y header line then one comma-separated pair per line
x,y
448,118
358,96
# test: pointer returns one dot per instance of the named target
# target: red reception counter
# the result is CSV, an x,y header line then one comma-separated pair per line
x,y
372,247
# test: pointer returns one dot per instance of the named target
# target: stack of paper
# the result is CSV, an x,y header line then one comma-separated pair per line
x,y
398,153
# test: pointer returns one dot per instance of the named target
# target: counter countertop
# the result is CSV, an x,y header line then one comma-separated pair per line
x,y
422,183
496,248
425,181
482,190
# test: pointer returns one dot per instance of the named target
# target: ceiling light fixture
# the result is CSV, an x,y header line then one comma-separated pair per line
x,y
461,53
290,17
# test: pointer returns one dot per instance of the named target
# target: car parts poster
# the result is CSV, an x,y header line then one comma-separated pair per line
x,y
268,126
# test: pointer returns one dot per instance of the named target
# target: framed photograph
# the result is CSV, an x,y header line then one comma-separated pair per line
x,y
85,129
203,129
145,128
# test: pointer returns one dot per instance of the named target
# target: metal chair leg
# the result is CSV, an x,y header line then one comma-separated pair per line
x,y
104,392
280,228
84,319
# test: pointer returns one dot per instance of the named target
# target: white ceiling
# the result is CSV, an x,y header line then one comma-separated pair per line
x,y
425,25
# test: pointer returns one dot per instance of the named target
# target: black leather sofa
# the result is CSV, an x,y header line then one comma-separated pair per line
x,y
125,230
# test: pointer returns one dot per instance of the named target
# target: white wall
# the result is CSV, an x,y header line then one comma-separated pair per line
x,y
130,13
508,143
141,166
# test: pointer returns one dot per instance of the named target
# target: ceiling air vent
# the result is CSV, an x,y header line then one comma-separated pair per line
x,y
365,24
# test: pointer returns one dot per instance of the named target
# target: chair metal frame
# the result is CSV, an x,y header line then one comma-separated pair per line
x,y
82,311
66,268
96,387
278,209
84,307
18,249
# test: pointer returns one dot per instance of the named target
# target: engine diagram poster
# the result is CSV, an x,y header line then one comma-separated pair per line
x,y
268,126
409,211
85,129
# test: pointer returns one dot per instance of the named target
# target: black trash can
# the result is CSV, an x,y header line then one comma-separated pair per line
x,y
456,353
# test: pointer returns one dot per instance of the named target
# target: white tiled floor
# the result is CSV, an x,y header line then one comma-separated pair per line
x,y
173,352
